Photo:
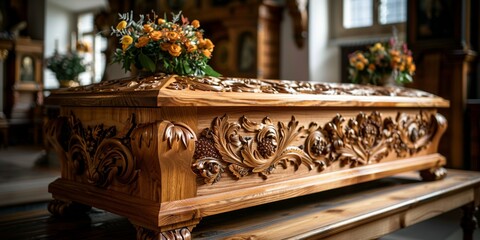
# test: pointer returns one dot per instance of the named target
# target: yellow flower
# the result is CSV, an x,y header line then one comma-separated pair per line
x,y
360,66
156,35
371,67
127,40
377,47
195,23
142,41
161,21
175,50
147,28
121,25
125,46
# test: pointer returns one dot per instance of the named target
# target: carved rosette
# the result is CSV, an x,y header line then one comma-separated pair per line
x,y
100,154
244,147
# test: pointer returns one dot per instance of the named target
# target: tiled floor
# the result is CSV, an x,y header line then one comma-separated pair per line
x,y
24,177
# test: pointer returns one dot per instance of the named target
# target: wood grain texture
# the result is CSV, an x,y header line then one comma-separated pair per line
x,y
171,90
166,151
337,215
369,210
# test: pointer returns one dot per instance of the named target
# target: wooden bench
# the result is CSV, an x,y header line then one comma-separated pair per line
x,y
365,211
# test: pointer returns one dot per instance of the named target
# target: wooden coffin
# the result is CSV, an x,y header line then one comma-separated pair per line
x,y
165,151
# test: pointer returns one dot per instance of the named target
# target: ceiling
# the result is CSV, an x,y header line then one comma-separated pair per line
x,y
80,5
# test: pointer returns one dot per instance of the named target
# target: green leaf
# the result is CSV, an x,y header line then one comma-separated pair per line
x,y
186,67
146,62
210,72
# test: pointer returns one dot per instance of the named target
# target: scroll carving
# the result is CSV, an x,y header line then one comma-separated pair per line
x,y
176,234
250,85
244,147
100,153
223,84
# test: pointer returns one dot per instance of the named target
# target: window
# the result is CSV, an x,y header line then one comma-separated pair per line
x,y
366,17
90,45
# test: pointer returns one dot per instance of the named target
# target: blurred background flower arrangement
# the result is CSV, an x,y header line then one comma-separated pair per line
x,y
153,44
382,64
66,67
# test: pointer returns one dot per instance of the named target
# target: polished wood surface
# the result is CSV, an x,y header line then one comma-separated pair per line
x,y
368,210
166,151
170,90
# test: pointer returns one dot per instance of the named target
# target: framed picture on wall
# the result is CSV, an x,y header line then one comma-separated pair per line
x,y
434,23
27,69
28,64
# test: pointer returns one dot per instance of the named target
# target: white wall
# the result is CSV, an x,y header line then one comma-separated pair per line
x,y
324,57
293,60
59,25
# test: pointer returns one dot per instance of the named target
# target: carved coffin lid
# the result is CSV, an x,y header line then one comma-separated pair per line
x,y
172,90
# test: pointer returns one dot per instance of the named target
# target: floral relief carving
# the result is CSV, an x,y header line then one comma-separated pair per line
x,y
223,84
100,153
248,85
245,147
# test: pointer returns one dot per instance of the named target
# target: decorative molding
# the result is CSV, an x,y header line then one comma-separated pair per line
x,y
224,84
246,147
101,154
175,234
176,133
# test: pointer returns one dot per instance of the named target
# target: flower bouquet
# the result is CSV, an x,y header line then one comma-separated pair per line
x,y
154,44
382,61
66,67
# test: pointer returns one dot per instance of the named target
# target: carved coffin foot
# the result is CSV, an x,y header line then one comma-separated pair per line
x,y
175,234
67,209
433,174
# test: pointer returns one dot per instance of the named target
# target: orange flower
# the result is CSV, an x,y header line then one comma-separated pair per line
x,y
195,23
175,50
207,53
165,46
160,21
411,69
409,59
371,67
191,47
172,36
209,45
147,28
142,41
155,35
121,25
360,66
